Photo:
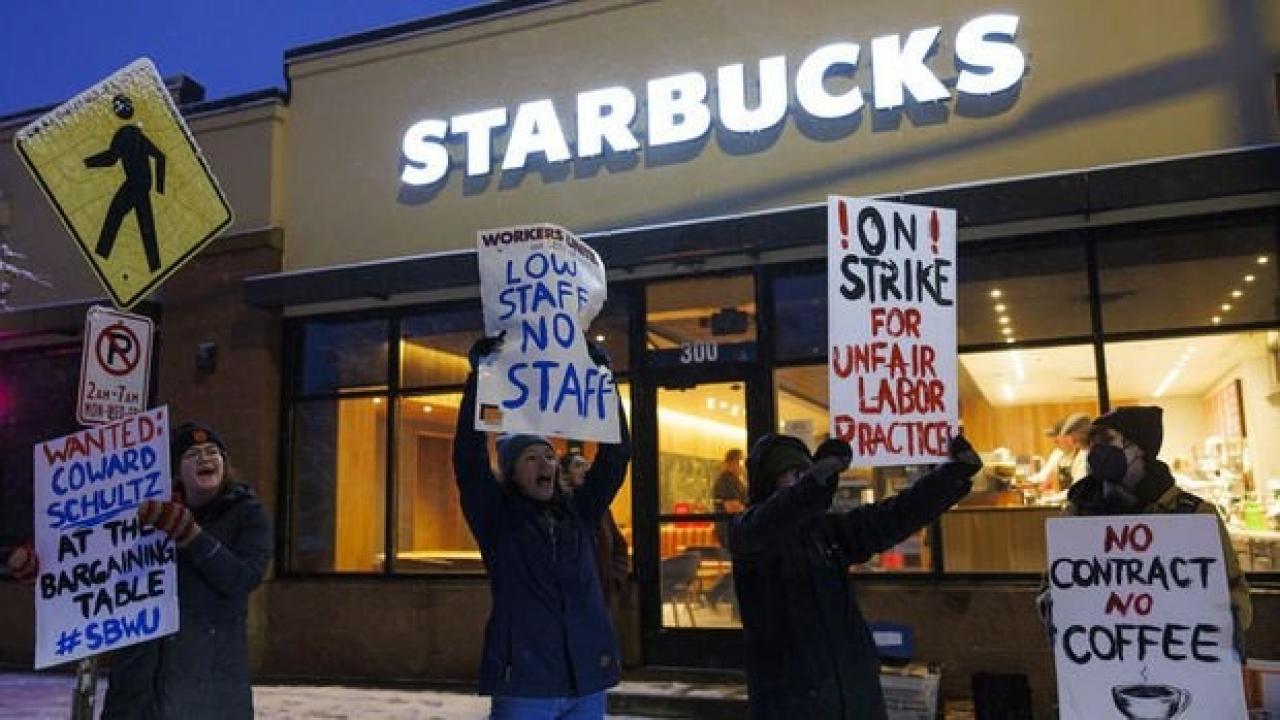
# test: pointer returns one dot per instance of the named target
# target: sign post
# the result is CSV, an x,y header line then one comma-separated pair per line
x,y
127,180
106,581
1142,624
115,366
543,286
891,293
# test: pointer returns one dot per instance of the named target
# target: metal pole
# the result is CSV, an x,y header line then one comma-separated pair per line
x,y
86,688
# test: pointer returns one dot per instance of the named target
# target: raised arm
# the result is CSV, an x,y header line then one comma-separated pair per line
x,y
106,158
478,488
609,469
753,533
870,529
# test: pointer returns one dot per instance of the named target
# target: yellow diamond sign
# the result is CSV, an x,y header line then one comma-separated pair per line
x,y
125,175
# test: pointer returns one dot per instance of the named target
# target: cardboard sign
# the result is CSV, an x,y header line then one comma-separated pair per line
x,y
542,286
105,581
115,366
1142,618
891,321
130,185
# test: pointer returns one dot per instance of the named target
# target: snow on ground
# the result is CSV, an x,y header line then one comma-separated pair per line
x,y
30,696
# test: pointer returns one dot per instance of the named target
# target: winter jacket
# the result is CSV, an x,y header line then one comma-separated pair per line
x,y
809,652
1157,494
202,671
613,564
549,632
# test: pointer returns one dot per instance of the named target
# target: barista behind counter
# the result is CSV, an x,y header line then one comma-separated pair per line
x,y
1066,464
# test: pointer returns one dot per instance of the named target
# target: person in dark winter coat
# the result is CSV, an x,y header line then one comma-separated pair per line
x,y
1125,478
809,652
223,542
224,546
549,647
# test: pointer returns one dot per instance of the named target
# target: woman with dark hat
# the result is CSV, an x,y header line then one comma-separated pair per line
x,y
223,542
549,647
809,652
223,539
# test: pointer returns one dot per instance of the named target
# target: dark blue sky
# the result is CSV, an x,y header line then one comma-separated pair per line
x,y
52,49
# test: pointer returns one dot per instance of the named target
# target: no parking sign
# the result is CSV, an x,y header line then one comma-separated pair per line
x,y
115,366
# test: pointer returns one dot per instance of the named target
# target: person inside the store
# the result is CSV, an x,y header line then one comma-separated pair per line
x,y
550,650
1126,478
729,493
1066,463
612,561
223,540
809,653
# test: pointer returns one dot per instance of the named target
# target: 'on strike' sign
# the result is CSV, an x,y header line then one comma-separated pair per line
x,y
1142,618
891,318
105,580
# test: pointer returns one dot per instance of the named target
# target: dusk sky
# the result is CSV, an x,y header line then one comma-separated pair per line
x,y
52,49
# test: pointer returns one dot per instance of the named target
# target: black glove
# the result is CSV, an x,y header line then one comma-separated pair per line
x,y
598,354
962,453
827,470
836,448
484,347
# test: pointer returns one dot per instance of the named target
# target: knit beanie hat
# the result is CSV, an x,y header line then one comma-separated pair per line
x,y
509,449
1141,425
193,433
771,456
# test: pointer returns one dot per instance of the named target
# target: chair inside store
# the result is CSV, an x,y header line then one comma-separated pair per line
x,y
679,584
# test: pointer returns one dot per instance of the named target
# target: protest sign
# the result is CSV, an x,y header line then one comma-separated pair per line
x,y
1142,618
105,581
891,321
542,286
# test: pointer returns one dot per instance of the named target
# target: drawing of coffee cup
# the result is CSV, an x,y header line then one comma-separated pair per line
x,y
1150,702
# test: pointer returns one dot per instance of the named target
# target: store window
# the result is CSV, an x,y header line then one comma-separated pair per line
x,y
1027,412
339,437
701,320
1221,425
702,437
339,484
1034,288
804,411
1211,272
800,303
342,355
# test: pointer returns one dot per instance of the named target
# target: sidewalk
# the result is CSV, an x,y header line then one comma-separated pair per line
x,y
32,696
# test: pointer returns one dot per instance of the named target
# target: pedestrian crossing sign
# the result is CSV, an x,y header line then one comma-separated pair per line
x,y
127,179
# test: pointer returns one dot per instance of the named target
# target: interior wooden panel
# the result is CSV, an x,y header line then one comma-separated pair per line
x,y
996,539
360,479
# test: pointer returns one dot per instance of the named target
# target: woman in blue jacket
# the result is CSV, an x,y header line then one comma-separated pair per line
x,y
550,651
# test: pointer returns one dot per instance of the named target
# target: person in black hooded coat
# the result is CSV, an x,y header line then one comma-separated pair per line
x,y
809,651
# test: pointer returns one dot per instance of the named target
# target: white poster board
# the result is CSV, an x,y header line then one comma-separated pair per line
x,y
891,321
543,286
105,581
115,365
1142,618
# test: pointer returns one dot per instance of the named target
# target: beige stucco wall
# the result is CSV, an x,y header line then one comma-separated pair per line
x,y
244,147
1107,83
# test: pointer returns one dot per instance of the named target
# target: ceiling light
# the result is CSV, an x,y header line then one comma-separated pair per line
x,y
724,404
711,403
1006,330
1010,340
735,410
1000,307
1172,375
1004,319
1262,259
1236,293
426,408
377,401
1226,307
1249,278
599,338
997,293
1216,319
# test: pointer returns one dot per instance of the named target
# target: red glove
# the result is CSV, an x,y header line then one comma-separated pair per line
x,y
24,566
171,518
